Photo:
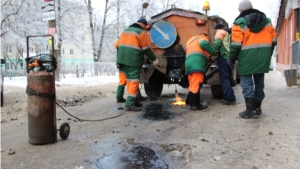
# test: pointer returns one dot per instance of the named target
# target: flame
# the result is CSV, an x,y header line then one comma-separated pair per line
x,y
178,102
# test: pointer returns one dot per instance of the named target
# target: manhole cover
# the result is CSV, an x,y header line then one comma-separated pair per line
x,y
157,112
137,157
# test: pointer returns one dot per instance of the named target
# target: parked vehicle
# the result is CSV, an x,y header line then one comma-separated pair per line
x,y
168,33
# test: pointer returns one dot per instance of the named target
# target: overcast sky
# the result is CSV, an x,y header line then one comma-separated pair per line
x,y
227,9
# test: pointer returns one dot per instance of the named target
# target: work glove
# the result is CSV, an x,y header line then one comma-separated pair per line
x,y
155,62
119,66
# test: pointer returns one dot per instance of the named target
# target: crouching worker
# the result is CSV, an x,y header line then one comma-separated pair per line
x,y
198,52
132,46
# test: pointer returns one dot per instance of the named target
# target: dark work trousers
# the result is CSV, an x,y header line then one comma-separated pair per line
x,y
224,74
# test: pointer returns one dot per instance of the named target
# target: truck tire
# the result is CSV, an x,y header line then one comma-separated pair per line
x,y
217,91
157,89
155,85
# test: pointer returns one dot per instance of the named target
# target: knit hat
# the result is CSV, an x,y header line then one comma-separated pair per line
x,y
219,26
142,20
245,5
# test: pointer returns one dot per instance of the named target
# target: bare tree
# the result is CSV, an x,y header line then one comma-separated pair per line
x,y
92,28
103,27
9,10
18,21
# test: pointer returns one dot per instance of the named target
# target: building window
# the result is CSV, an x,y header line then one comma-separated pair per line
x,y
9,49
82,26
63,51
71,51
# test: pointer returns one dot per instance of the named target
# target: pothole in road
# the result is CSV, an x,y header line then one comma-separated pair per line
x,y
157,112
136,157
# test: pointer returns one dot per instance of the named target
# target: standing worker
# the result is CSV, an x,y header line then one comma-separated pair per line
x,y
132,46
122,84
221,43
253,41
198,52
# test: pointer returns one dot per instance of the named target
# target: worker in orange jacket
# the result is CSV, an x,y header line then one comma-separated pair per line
x,y
253,42
132,46
122,84
198,52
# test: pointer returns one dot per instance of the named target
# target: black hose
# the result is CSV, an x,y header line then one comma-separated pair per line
x,y
100,119
46,62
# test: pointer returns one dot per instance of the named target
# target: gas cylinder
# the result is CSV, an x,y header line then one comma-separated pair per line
x,y
41,108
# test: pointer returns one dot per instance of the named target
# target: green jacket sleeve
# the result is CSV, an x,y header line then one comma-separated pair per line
x,y
149,53
217,44
234,51
207,47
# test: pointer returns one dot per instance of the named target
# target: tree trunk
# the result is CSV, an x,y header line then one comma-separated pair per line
x,y
118,16
103,29
92,29
59,42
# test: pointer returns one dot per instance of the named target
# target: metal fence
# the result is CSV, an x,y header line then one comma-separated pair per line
x,y
81,69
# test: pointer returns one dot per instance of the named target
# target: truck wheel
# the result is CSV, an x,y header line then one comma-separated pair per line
x,y
217,91
155,85
156,88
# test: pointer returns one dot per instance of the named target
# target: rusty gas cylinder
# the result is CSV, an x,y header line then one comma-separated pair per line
x,y
41,108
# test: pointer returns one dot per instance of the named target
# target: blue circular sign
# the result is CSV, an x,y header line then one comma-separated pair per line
x,y
163,34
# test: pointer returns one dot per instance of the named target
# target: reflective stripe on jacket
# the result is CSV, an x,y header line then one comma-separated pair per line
x,y
198,52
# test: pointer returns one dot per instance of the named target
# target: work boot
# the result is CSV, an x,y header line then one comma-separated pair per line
x,y
226,102
191,100
195,102
258,108
133,108
136,103
187,100
250,112
142,98
121,100
120,93
222,101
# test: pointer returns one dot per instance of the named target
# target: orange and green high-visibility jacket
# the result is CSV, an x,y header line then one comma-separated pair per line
x,y
252,43
132,46
198,52
222,42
